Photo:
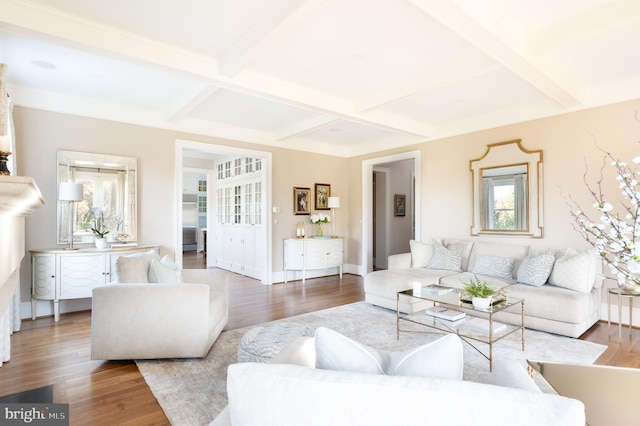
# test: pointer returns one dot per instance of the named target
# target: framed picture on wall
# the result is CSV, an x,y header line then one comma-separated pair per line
x,y
301,200
400,202
323,192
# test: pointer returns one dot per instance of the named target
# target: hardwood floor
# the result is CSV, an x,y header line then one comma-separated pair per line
x,y
110,393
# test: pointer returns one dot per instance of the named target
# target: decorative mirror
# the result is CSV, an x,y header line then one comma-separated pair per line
x,y
109,195
507,191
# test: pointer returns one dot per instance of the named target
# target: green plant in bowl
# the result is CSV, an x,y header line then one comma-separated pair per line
x,y
477,288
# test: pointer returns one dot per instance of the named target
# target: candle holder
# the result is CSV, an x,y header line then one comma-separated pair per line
x,y
4,157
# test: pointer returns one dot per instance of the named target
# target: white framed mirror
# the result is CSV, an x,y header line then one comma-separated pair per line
x,y
507,191
109,190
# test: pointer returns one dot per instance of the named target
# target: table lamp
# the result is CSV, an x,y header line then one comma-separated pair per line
x,y
70,192
333,203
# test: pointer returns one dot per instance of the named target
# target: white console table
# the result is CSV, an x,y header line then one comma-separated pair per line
x,y
302,254
73,274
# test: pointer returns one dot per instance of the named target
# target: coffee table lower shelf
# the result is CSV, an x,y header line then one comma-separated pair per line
x,y
472,337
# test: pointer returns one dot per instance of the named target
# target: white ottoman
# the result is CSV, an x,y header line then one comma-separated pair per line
x,y
262,343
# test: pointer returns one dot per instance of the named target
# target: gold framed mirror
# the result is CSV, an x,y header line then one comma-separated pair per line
x,y
507,191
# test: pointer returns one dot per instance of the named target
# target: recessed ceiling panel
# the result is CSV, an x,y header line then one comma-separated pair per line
x,y
242,110
494,90
207,27
40,66
347,133
356,48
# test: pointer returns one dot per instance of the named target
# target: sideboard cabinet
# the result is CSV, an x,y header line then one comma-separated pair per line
x,y
302,254
73,274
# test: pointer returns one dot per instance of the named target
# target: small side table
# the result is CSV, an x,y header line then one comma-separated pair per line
x,y
621,293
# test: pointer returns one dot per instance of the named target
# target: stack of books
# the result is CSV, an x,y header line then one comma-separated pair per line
x,y
445,313
436,289
482,325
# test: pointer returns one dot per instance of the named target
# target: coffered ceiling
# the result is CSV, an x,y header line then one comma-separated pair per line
x,y
342,77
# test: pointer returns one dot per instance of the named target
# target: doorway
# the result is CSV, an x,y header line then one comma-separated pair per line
x,y
188,152
410,187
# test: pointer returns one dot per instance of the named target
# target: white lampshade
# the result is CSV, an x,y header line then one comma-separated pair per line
x,y
70,191
333,202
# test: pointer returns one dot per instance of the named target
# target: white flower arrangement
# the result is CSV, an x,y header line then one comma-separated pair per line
x,y
319,218
616,235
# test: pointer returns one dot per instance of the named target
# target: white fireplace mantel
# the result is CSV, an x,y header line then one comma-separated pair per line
x,y
19,197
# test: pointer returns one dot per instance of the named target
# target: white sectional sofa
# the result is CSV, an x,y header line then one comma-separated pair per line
x,y
561,287
353,384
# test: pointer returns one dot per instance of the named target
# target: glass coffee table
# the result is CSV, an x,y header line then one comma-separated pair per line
x,y
477,326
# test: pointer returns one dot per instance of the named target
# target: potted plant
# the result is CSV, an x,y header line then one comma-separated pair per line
x,y
480,292
99,229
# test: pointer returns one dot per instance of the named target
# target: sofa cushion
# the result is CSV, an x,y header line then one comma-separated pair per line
x,y
554,303
447,258
502,249
145,257
131,270
536,268
302,351
574,269
495,266
467,248
441,358
420,253
161,273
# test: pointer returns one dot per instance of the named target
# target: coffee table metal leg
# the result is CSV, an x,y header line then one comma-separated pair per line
x,y
397,317
522,323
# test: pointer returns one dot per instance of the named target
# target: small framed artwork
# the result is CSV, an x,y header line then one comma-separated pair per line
x,y
400,202
301,200
323,192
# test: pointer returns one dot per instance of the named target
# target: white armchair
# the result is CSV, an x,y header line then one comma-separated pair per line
x,y
148,321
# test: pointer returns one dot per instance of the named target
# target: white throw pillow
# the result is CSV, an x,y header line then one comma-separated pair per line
x,y
495,266
536,268
446,258
574,270
302,351
131,270
441,358
420,253
161,273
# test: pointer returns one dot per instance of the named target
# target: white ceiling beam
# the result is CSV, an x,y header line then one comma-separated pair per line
x,y
474,33
305,126
36,21
602,19
256,41
460,71
190,98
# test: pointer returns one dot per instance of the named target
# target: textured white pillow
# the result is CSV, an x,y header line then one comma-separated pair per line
x,y
495,266
446,258
536,268
302,351
574,270
161,273
131,270
420,253
441,358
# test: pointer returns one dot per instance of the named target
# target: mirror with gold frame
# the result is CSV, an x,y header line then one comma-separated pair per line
x,y
109,190
507,191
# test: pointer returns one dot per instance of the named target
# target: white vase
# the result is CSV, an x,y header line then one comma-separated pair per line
x,y
101,243
481,302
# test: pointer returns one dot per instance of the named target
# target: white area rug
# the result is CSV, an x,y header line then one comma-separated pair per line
x,y
193,391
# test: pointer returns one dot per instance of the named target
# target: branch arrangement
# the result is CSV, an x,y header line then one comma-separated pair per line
x,y
615,235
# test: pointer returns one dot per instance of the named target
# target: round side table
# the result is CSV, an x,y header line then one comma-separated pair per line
x,y
621,294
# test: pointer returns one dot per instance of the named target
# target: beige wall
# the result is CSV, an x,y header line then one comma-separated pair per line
x,y
567,142
39,134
